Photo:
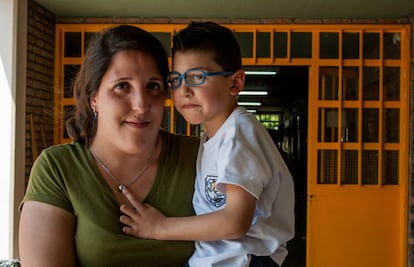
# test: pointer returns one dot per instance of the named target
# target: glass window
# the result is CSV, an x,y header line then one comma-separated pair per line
x,y
370,125
301,45
73,44
245,40
350,80
350,125
328,125
67,113
89,37
370,86
328,45
392,45
165,39
328,83
263,44
69,73
391,125
371,45
280,45
350,45
392,83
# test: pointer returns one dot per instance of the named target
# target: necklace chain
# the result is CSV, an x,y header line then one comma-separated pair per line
x,y
122,186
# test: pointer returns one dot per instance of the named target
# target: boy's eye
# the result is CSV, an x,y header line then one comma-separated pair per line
x,y
195,78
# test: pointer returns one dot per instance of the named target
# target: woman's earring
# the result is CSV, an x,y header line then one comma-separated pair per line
x,y
95,114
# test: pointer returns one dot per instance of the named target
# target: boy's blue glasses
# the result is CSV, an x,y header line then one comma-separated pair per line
x,y
192,77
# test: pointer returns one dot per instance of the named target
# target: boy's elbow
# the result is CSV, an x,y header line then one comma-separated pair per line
x,y
238,230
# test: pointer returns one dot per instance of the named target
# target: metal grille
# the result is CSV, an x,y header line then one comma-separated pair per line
x,y
349,167
327,166
369,167
390,168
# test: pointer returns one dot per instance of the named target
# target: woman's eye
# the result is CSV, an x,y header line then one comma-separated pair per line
x,y
122,86
155,87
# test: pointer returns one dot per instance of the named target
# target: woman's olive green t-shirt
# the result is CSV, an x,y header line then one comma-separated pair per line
x,y
67,176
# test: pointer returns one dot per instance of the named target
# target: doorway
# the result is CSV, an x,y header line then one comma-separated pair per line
x,y
281,104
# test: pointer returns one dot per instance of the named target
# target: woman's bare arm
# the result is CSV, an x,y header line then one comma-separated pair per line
x,y
46,236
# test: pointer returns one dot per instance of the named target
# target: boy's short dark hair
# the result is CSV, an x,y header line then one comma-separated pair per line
x,y
210,37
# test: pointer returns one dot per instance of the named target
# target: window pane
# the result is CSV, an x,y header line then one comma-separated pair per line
x,y
371,45
73,44
328,125
329,45
245,40
165,39
280,45
67,113
350,45
69,73
392,45
328,83
390,168
327,166
369,167
263,44
349,167
370,125
301,45
350,125
391,83
350,78
89,37
391,125
370,86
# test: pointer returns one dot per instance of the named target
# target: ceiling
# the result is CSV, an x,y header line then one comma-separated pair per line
x,y
290,84
232,9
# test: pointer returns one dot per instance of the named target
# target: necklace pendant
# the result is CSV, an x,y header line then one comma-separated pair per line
x,y
121,187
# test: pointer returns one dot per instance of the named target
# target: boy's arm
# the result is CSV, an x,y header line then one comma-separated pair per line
x,y
233,221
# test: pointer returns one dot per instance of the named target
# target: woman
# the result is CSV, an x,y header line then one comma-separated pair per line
x,y
70,211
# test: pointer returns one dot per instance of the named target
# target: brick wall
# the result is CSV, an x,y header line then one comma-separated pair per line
x,y
40,62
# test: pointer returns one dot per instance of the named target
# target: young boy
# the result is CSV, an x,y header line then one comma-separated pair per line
x,y
244,197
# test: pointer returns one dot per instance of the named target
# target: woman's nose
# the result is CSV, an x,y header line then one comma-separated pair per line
x,y
140,101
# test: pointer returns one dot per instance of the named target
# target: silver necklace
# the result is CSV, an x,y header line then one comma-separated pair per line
x,y
122,186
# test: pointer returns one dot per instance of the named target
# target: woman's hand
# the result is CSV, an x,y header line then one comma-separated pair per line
x,y
140,220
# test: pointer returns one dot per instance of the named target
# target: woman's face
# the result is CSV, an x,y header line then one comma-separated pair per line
x,y
129,102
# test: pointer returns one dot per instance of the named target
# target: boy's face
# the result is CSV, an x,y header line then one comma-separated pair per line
x,y
209,103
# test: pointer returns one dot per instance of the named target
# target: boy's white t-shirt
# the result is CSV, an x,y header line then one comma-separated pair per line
x,y
244,154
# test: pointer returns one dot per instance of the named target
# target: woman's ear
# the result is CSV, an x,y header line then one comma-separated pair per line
x,y
92,101
238,82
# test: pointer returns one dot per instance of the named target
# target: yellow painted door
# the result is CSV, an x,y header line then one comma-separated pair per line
x,y
357,167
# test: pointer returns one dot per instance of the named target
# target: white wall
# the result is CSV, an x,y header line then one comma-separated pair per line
x,y
13,24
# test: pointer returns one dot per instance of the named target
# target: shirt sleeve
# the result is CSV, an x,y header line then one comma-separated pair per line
x,y
46,183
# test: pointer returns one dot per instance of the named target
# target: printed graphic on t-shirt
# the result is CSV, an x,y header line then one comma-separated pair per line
x,y
213,196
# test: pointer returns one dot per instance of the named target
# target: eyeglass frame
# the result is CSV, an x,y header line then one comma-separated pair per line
x,y
183,76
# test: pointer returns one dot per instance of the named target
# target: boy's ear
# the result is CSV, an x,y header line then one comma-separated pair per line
x,y
238,82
